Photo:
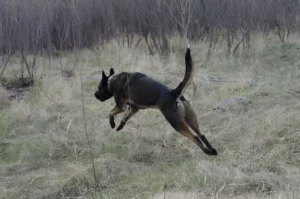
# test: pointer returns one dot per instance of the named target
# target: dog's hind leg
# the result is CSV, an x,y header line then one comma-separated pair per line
x,y
116,110
129,113
177,122
191,121
176,116
184,130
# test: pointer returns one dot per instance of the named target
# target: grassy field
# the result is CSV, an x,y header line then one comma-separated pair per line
x,y
44,151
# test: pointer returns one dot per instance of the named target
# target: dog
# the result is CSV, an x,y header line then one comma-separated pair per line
x,y
138,91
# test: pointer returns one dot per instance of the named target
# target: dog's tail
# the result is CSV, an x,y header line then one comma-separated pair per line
x,y
188,76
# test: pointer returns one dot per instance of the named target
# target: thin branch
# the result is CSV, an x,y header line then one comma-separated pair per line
x,y
5,65
237,46
181,25
187,2
86,133
177,6
191,13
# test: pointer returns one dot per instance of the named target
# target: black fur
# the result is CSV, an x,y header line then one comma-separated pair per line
x,y
138,91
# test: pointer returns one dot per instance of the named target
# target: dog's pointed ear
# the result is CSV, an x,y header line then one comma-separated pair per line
x,y
111,71
103,74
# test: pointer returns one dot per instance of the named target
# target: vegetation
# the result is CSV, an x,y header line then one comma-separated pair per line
x,y
245,93
30,28
44,152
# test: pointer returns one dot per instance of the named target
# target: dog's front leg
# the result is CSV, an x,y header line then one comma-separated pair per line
x,y
112,114
129,113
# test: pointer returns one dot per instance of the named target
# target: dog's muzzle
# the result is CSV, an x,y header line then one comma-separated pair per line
x,y
98,97
102,96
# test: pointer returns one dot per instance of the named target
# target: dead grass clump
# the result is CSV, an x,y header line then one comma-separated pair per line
x,y
76,187
68,73
260,183
4,99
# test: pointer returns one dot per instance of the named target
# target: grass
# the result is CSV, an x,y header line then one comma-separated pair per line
x,y
44,152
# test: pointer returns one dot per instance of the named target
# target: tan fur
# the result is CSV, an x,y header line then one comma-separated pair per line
x,y
138,91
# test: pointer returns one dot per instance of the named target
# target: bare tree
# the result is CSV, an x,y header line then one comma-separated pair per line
x,y
30,27
183,14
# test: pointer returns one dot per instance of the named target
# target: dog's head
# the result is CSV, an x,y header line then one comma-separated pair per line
x,y
104,91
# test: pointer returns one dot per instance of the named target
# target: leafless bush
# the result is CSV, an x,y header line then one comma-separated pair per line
x,y
31,27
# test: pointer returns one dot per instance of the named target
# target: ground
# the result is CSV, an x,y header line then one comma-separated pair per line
x,y
44,150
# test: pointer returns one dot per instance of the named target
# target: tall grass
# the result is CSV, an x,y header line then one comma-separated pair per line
x,y
44,153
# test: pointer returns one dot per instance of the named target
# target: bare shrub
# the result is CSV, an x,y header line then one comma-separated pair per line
x,y
30,26
33,27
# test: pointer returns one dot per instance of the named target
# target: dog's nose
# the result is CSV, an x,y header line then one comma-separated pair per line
x,y
96,95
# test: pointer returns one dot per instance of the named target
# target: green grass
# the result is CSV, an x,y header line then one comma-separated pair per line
x,y
44,152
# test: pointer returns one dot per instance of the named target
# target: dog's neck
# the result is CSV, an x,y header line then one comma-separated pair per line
x,y
109,82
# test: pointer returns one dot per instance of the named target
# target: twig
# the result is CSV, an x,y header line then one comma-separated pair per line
x,y
138,42
85,128
6,63
236,47
181,25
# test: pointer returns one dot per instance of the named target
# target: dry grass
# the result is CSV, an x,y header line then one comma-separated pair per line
x,y
4,100
44,153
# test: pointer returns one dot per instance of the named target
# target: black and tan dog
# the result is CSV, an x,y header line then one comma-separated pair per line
x,y
138,91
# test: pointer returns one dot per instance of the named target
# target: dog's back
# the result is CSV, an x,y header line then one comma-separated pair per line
x,y
141,90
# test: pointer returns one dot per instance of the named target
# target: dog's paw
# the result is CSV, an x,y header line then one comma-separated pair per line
x,y
112,123
214,151
120,127
210,151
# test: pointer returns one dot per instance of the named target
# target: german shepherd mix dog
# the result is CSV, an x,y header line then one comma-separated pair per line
x,y
139,91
